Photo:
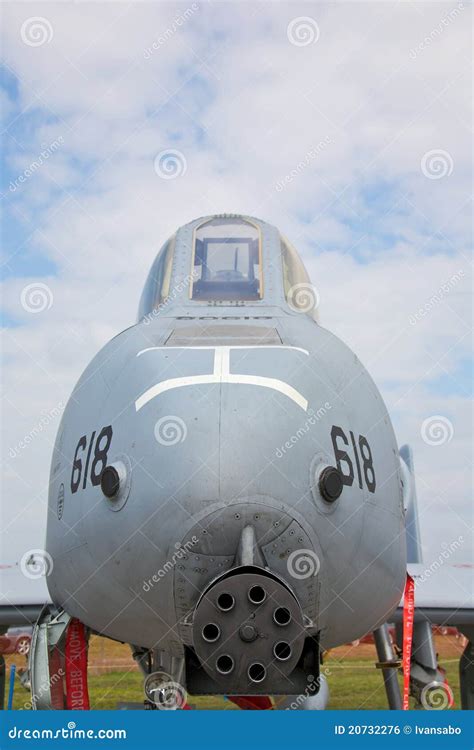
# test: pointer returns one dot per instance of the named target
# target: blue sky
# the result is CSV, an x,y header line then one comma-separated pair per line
x,y
381,229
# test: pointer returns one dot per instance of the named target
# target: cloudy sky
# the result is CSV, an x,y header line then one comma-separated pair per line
x,y
345,124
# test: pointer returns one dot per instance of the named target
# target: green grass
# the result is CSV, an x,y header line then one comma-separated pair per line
x,y
353,685
358,685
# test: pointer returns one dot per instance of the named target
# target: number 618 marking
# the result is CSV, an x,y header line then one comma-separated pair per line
x,y
99,460
341,456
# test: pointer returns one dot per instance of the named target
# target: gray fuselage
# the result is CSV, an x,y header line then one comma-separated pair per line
x,y
220,415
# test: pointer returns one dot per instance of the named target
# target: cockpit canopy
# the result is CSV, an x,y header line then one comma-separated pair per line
x,y
225,265
227,261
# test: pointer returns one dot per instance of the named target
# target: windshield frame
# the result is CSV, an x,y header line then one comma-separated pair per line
x,y
237,219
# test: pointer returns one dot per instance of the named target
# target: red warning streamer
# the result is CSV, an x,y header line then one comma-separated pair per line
x,y
408,619
77,694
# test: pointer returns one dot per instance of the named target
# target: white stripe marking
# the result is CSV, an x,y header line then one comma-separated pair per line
x,y
222,374
215,348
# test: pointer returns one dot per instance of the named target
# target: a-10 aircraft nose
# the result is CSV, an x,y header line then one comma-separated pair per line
x,y
225,483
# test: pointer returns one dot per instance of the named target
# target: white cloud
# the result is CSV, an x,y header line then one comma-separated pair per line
x,y
245,106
